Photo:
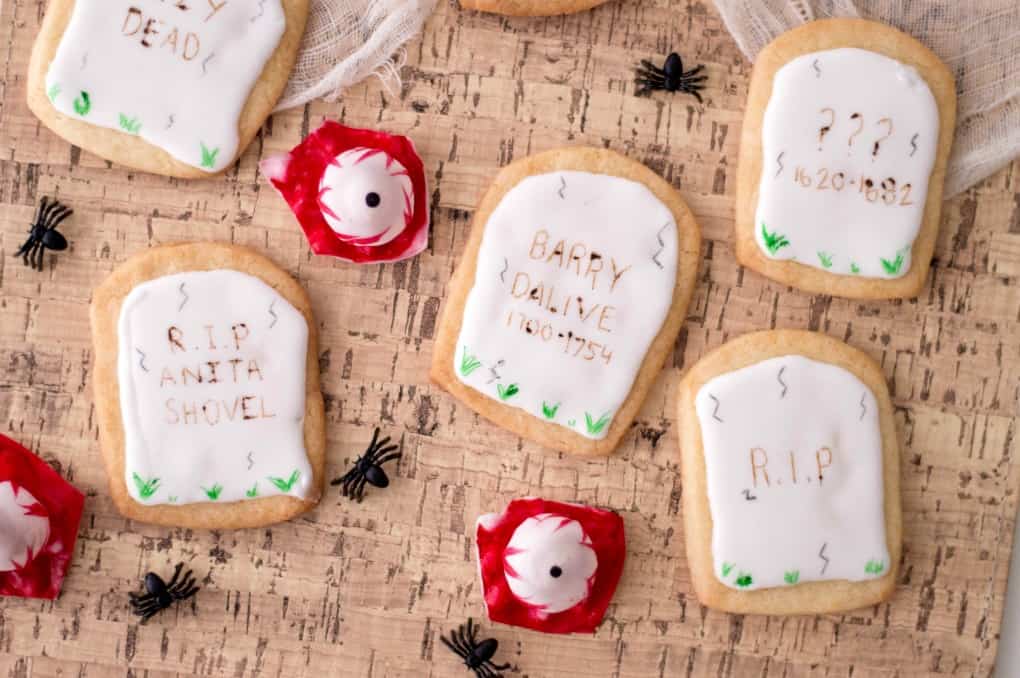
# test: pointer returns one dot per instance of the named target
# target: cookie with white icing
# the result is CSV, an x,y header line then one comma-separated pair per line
x,y
531,7
790,464
569,296
207,388
175,88
843,156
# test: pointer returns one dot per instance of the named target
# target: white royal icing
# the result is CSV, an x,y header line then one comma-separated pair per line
x,y
548,328
365,196
239,432
837,120
24,527
549,563
793,454
175,72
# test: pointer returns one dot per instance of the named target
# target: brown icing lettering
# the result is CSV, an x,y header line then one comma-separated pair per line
x,y
215,7
758,453
174,336
240,331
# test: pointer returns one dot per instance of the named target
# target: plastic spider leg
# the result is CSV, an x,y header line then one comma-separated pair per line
x,y
343,479
464,636
453,648
472,632
485,672
359,489
58,218
143,600
186,584
465,649
375,441
45,206
350,480
383,450
694,71
38,252
24,248
177,573
186,593
498,667
649,66
696,94
389,457
27,253
649,79
147,611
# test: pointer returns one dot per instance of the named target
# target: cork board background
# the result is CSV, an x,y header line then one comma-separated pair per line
x,y
365,590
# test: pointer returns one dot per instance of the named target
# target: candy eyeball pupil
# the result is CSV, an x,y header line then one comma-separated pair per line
x,y
373,199
555,571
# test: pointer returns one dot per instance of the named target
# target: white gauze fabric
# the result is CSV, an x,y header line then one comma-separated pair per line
x,y
978,39
347,40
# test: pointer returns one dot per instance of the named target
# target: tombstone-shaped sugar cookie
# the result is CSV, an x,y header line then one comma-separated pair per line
x,y
207,388
39,517
175,87
843,155
791,476
568,299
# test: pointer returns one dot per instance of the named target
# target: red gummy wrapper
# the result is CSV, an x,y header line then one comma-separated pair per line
x,y
298,176
42,510
603,534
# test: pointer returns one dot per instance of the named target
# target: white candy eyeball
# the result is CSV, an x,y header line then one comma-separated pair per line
x,y
23,532
550,563
366,196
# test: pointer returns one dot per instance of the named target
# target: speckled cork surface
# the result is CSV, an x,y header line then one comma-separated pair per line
x,y
366,589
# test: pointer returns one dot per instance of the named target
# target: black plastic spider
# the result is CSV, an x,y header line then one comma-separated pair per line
x,y
161,595
368,468
671,77
477,656
43,233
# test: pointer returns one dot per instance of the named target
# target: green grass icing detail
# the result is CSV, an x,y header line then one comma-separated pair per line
x,y
209,156
744,580
146,488
171,500
549,410
854,268
893,267
826,259
53,92
83,104
571,423
791,577
595,426
213,492
727,568
253,492
874,567
285,485
507,392
468,363
130,125
773,241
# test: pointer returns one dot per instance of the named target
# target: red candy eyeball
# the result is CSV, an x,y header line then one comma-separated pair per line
x,y
359,195
39,517
550,566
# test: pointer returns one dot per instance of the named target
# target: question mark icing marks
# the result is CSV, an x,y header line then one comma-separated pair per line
x,y
824,129
887,122
860,126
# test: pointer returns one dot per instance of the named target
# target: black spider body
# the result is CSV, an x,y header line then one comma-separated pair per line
x,y
671,77
43,234
368,468
160,595
477,656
